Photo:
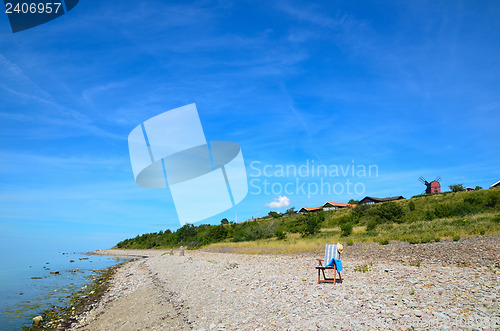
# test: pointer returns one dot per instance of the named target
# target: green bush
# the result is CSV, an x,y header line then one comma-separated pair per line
x,y
217,233
457,187
346,229
274,214
372,224
459,209
474,200
239,237
186,233
359,211
442,210
295,225
493,199
261,230
463,209
351,217
383,242
280,235
429,215
389,211
411,206
312,222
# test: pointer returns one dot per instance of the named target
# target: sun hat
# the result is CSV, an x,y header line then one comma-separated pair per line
x,y
340,248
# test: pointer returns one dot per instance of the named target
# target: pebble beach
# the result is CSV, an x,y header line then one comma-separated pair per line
x,y
446,285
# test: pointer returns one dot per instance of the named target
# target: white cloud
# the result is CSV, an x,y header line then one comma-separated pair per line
x,y
280,202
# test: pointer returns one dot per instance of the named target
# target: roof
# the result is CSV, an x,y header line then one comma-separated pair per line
x,y
495,184
312,208
399,197
338,204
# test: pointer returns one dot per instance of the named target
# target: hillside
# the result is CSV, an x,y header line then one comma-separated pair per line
x,y
416,220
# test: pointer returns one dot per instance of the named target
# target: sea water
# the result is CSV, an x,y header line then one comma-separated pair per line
x,y
27,287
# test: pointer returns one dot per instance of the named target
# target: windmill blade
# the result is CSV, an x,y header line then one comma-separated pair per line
x,y
438,179
422,179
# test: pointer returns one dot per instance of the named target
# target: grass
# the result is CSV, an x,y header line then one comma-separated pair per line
x,y
292,245
414,233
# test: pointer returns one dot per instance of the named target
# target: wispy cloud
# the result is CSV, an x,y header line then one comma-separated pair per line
x,y
14,80
45,109
89,93
22,161
311,14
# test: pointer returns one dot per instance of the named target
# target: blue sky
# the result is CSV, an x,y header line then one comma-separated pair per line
x,y
412,88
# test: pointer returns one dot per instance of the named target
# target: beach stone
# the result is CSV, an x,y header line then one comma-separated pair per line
x,y
267,291
440,315
37,320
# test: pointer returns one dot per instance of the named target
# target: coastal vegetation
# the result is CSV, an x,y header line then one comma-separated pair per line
x,y
421,219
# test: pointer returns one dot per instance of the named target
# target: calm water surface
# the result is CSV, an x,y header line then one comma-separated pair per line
x,y
22,297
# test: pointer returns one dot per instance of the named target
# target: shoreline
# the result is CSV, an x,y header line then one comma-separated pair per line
x,y
48,284
132,285
384,287
82,300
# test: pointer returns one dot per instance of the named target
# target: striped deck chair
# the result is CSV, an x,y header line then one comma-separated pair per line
x,y
331,252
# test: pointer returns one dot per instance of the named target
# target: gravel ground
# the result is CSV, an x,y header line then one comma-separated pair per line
x,y
445,285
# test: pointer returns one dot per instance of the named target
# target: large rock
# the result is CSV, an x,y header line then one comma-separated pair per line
x,y
37,320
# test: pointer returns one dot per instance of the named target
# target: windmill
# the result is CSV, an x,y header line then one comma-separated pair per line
x,y
432,187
